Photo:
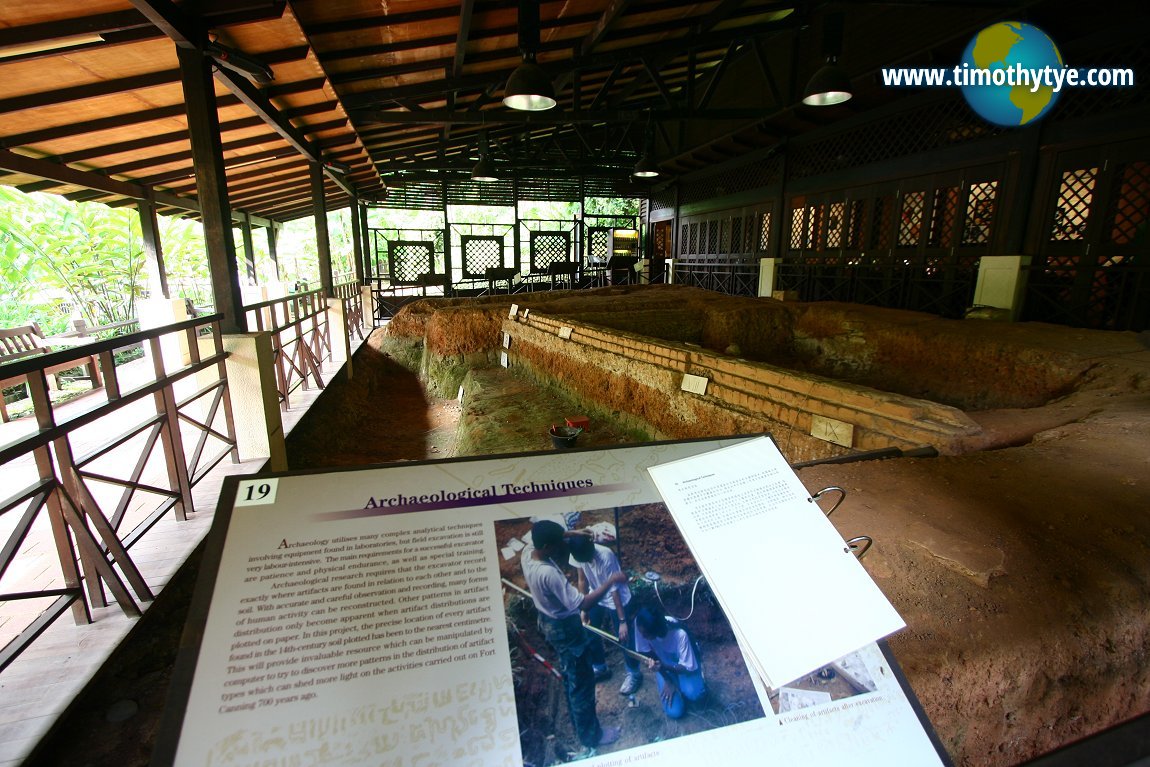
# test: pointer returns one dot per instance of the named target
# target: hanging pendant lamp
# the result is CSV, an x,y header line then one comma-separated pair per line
x,y
529,88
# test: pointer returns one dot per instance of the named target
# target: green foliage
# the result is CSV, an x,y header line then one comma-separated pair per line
x,y
298,257
60,258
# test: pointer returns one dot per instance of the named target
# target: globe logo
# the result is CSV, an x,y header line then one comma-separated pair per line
x,y
1006,50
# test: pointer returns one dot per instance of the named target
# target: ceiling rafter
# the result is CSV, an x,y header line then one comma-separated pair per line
x,y
437,87
187,32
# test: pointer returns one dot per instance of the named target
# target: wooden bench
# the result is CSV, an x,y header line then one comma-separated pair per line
x,y
28,341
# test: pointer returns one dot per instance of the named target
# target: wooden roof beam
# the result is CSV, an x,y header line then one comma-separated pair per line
x,y
656,51
466,7
187,32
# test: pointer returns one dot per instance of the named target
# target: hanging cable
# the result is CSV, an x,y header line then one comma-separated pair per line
x,y
655,580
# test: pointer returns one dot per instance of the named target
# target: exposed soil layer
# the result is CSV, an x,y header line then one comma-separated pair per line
x,y
919,355
1022,573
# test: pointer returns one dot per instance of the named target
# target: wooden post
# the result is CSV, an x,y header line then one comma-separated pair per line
x,y
356,240
322,244
249,249
153,249
273,231
211,186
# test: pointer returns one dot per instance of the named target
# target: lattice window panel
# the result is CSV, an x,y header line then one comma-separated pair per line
x,y
726,234
693,238
598,242
756,175
1062,264
947,121
549,248
684,236
408,259
736,243
661,234
1090,102
981,202
765,232
813,232
751,232
943,214
798,228
854,230
712,236
881,216
1130,207
1072,209
836,224
664,200
911,220
480,253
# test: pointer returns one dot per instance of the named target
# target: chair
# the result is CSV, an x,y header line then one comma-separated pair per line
x,y
562,271
621,270
28,341
496,274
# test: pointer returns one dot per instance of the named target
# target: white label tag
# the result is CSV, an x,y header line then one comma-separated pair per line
x,y
257,492
836,432
694,384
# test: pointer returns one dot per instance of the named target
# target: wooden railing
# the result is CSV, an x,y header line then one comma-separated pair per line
x,y
349,294
301,339
93,478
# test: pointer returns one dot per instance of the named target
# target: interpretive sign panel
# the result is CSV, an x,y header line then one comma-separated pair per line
x,y
382,616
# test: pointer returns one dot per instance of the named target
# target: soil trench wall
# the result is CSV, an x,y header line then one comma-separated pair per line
x,y
640,376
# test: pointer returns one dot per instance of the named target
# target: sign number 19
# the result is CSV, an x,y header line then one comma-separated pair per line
x,y
256,492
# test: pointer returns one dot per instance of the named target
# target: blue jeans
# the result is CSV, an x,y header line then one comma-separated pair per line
x,y
608,620
571,643
691,687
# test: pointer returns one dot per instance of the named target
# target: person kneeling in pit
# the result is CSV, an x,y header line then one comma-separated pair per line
x,y
672,655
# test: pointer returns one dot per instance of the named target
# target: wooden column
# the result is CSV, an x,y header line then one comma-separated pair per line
x,y
368,262
211,186
153,249
249,249
273,232
322,244
356,240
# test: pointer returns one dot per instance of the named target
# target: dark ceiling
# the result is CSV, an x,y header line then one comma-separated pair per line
x,y
385,92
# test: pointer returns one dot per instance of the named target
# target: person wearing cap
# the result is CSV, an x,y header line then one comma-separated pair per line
x,y
614,612
559,606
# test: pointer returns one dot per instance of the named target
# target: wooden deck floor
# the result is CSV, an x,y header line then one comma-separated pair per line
x,y
40,684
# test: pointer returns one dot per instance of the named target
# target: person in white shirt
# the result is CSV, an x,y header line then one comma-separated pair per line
x,y
612,613
559,605
678,670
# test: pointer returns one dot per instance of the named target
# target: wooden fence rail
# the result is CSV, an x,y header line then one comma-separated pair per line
x,y
94,482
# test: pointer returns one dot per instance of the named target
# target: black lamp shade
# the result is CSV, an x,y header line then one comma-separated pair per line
x,y
529,89
484,170
645,168
830,85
